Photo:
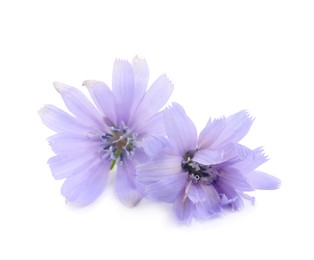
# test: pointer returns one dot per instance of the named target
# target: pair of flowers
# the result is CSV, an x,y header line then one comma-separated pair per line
x,y
158,154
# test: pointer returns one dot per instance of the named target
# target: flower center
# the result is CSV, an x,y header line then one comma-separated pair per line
x,y
206,174
118,143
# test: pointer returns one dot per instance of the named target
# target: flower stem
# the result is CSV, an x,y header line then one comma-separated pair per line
x,y
115,160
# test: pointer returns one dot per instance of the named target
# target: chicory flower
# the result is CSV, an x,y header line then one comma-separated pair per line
x,y
95,138
203,175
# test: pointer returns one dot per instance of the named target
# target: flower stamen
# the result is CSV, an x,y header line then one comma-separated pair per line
x,y
117,143
197,171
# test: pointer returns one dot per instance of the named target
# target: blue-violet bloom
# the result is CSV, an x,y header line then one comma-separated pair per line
x,y
203,175
113,131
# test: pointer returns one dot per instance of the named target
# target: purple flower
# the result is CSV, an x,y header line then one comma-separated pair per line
x,y
203,175
91,140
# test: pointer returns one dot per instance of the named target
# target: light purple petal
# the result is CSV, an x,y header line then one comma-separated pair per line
x,y
60,121
237,204
156,170
243,152
79,105
235,179
210,207
163,179
205,203
230,152
69,144
224,188
220,132
263,181
167,189
236,127
211,195
236,155
251,161
154,99
247,197
123,89
224,201
63,166
180,129
103,99
83,188
153,145
230,197
210,133
184,210
140,156
195,192
126,188
141,74
154,126
208,157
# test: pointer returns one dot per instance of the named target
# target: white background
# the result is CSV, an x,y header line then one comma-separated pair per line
x,y
222,56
